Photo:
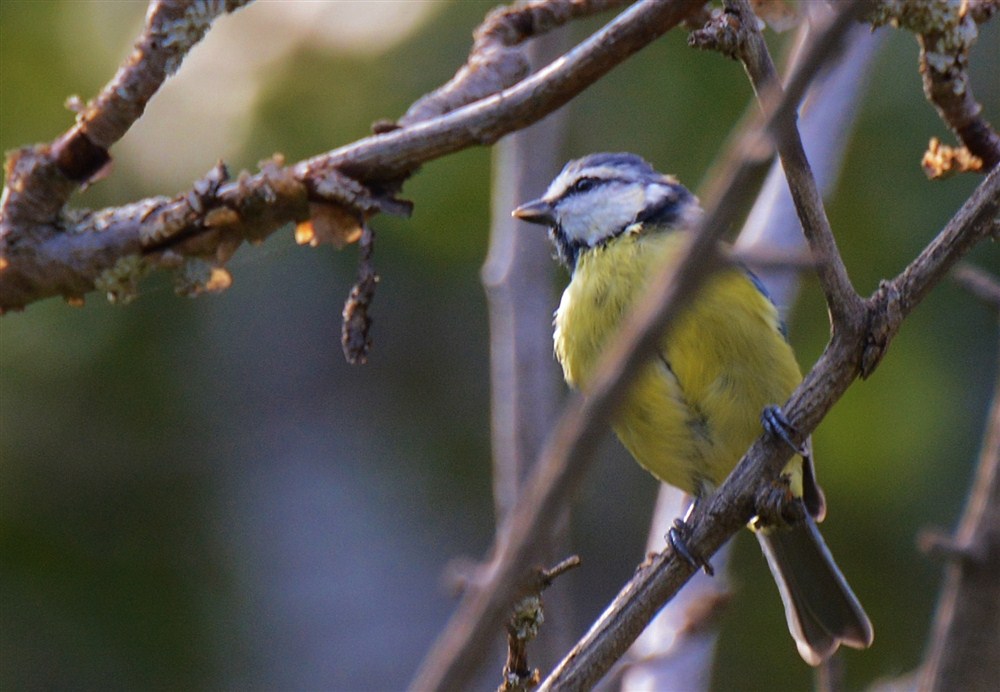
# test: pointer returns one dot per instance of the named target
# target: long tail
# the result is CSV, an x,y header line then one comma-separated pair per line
x,y
821,610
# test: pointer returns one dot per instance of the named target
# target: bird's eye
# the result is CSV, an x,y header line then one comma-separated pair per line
x,y
583,184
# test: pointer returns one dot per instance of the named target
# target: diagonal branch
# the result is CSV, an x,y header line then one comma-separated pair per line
x,y
676,649
495,63
79,155
843,302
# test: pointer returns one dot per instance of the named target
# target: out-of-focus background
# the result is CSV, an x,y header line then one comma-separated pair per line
x,y
203,494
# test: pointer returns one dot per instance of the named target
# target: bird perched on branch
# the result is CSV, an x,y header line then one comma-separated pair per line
x,y
723,366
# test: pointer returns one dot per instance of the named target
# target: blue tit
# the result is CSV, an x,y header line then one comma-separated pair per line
x,y
696,407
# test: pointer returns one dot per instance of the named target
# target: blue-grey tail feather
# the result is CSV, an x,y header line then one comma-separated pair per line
x,y
821,610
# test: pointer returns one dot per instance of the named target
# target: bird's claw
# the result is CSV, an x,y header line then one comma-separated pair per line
x,y
777,507
677,537
775,423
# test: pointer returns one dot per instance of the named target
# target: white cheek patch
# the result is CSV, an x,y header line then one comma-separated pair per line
x,y
593,217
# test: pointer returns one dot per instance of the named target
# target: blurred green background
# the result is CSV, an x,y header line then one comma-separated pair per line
x,y
202,494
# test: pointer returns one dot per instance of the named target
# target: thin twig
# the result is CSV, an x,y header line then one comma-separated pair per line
x,y
495,63
843,302
526,619
980,283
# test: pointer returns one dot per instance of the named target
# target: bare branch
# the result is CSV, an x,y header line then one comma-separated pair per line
x,y
675,650
843,302
964,647
398,153
946,32
495,63
523,626
64,256
172,29
81,154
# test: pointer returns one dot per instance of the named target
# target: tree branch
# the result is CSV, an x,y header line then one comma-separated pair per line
x,y
47,176
70,255
495,63
842,300
946,32
47,251
524,389
964,646
733,505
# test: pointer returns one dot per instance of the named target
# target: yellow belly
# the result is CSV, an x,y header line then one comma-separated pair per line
x,y
696,407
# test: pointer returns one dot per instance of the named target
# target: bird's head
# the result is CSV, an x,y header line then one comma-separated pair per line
x,y
599,197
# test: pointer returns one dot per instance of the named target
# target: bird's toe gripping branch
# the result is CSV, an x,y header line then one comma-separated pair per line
x,y
776,506
776,424
678,536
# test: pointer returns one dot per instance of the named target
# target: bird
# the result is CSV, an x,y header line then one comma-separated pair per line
x,y
723,367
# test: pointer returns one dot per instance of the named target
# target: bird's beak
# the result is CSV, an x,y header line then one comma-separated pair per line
x,y
538,211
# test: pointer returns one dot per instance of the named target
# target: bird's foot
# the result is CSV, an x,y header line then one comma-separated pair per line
x,y
777,507
775,423
677,536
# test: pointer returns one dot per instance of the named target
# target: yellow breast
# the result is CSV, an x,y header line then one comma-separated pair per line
x,y
696,407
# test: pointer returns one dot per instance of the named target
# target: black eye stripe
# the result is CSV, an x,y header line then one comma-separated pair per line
x,y
585,184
